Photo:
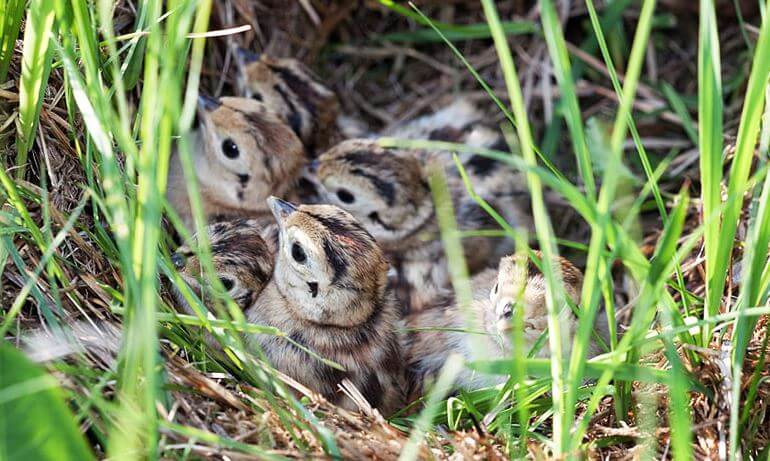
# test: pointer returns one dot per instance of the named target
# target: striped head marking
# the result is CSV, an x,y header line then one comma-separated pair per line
x,y
249,153
241,259
521,285
384,189
328,266
290,89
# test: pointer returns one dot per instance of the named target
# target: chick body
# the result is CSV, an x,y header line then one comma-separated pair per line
x,y
517,284
387,190
329,293
293,91
241,258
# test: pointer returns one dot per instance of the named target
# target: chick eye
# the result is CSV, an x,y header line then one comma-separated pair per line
x,y
494,290
178,260
257,96
227,282
345,196
298,253
230,149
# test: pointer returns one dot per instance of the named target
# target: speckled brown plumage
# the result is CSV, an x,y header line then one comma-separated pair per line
x,y
290,89
241,259
521,285
329,293
517,284
387,190
235,181
427,344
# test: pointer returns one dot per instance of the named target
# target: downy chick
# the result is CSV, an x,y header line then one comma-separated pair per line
x,y
242,260
517,284
242,153
387,191
329,292
460,122
290,89
506,298
451,123
428,344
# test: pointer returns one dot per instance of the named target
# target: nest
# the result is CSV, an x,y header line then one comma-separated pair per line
x,y
384,82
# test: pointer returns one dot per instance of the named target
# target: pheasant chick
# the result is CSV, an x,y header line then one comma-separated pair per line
x,y
387,190
329,293
517,284
242,153
292,90
242,260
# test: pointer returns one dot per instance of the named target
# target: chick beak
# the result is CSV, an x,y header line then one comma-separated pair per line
x,y
245,57
507,311
313,288
207,103
281,208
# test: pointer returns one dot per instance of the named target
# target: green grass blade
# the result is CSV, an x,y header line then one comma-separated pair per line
x,y
748,133
459,32
11,13
710,108
679,409
756,258
122,118
507,229
485,86
605,52
115,206
652,181
443,386
32,280
679,107
599,230
557,48
450,31
555,297
166,53
656,273
35,423
594,369
35,69
450,238
755,283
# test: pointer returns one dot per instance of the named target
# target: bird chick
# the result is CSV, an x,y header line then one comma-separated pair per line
x,y
459,122
521,285
517,284
241,258
387,191
429,341
293,91
462,122
450,123
329,293
242,153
